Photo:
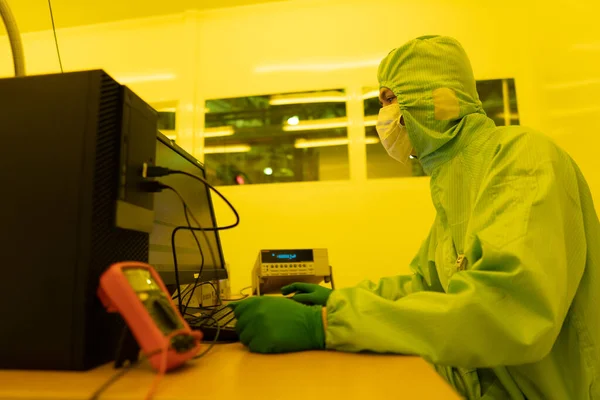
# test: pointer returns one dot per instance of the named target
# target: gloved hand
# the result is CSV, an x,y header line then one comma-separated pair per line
x,y
308,293
278,325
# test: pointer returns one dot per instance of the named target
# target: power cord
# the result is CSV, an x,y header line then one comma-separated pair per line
x,y
214,260
55,38
189,225
189,288
155,186
112,380
242,294
157,171
161,372
207,283
212,344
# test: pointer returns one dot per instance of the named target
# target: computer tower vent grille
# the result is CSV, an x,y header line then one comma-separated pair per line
x,y
109,243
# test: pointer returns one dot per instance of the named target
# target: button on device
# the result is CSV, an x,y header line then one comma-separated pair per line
x,y
143,296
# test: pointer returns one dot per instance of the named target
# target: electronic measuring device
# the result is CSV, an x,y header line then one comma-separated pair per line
x,y
135,290
277,268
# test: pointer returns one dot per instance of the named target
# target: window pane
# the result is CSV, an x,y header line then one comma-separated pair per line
x,y
277,138
167,118
490,94
492,97
514,109
380,165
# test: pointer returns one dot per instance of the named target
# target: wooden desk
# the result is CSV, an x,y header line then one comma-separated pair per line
x,y
231,372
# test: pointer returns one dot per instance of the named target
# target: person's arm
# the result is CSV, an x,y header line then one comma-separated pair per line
x,y
526,250
396,287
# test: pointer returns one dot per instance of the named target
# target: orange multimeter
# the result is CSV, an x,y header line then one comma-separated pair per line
x,y
135,290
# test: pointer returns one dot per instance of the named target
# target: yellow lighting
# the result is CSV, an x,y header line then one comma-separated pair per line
x,y
145,78
305,144
174,109
306,98
238,148
371,94
572,112
218,131
592,46
513,116
330,123
167,109
575,84
323,67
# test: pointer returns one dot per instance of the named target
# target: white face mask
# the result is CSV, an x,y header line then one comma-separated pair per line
x,y
392,134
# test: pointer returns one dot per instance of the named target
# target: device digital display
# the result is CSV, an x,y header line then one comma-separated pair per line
x,y
140,279
286,256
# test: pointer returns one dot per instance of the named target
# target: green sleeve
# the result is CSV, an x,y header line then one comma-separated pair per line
x,y
526,249
391,287
396,287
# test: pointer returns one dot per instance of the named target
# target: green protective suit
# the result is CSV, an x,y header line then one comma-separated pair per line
x,y
519,316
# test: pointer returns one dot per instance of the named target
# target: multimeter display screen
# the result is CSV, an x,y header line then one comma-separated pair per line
x,y
140,279
286,256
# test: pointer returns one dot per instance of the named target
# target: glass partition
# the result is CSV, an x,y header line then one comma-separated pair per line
x,y
277,138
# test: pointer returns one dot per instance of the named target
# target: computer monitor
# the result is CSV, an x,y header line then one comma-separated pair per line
x,y
169,214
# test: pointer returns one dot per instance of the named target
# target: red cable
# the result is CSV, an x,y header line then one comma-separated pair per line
x,y
163,363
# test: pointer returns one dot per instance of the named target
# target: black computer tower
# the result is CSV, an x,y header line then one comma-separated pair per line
x,y
71,148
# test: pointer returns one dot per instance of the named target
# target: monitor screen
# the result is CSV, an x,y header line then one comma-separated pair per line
x,y
169,214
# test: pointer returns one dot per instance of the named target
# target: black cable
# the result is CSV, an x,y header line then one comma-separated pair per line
x,y
211,187
120,374
175,266
183,293
212,255
245,288
175,262
212,343
203,230
157,171
55,38
111,380
190,292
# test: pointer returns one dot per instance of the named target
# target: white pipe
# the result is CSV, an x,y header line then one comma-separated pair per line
x,y
14,37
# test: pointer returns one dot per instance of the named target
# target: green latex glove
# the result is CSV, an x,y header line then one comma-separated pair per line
x,y
308,293
278,325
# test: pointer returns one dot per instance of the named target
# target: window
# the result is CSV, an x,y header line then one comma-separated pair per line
x,y
166,118
277,138
499,101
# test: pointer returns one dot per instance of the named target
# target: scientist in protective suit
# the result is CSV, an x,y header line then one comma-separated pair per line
x,y
504,298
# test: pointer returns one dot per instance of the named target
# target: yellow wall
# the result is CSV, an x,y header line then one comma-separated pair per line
x,y
372,228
